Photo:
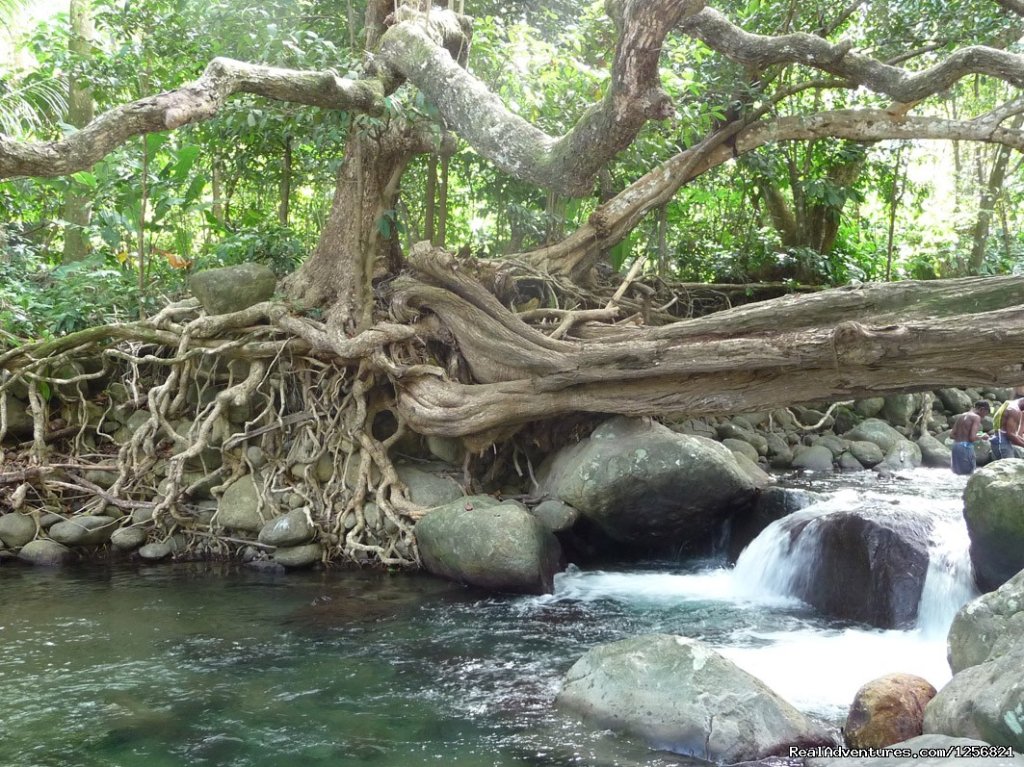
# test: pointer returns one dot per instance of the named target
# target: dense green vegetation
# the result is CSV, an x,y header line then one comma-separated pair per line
x,y
254,183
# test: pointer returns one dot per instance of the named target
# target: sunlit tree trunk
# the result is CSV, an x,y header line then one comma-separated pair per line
x,y
78,201
987,198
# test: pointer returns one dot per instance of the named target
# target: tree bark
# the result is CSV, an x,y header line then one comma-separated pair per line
x,y
78,201
987,199
285,188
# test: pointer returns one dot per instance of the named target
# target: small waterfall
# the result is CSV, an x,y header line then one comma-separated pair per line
x,y
776,563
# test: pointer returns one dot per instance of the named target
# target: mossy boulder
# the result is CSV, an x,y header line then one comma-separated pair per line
x,y
994,511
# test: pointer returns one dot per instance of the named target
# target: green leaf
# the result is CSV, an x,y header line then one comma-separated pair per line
x,y
85,178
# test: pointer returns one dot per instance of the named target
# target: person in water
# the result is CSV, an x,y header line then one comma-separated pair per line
x,y
966,431
1007,424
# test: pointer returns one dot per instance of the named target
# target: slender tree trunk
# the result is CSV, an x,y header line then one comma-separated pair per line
x,y
663,240
285,190
987,198
898,185
442,204
218,190
77,202
431,200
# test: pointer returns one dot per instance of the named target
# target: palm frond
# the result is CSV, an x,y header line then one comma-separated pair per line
x,y
28,105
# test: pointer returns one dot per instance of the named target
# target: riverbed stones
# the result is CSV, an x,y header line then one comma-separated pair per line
x,y
497,546
813,458
899,409
903,455
888,710
295,557
994,512
876,431
128,538
17,529
430,485
955,401
868,454
644,485
682,696
84,530
933,452
233,288
238,507
45,553
155,552
294,528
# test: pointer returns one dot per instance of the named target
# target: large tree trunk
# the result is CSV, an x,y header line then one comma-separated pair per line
x,y
987,198
77,200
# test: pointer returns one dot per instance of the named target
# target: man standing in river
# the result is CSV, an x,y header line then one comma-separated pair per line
x,y
967,431
1008,423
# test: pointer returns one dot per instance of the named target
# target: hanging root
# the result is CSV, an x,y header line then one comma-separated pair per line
x,y
151,422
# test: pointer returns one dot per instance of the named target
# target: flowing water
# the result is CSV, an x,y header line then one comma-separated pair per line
x,y
175,665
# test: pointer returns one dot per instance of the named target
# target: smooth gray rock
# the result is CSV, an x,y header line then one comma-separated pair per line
x,y
238,507
154,552
868,454
44,553
294,557
429,485
903,455
128,538
933,452
780,455
988,627
814,458
837,445
83,531
496,546
955,401
994,512
899,409
682,696
233,288
292,529
876,431
847,462
19,419
908,754
985,701
869,407
741,447
644,485
555,515
17,529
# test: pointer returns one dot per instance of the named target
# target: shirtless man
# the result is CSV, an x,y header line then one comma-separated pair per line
x,y
965,433
1009,430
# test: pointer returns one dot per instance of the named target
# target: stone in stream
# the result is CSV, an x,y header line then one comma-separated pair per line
x,y
295,557
888,710
680,695
84,530
44,552
993,504
292,529
876,431
17,529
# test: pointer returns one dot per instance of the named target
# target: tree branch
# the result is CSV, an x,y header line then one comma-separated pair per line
x,y
194,102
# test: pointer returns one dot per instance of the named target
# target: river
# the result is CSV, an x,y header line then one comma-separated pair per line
x,y
177,665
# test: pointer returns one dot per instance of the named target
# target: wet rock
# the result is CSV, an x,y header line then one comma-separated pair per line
x,y
837,445
295,557
772,504
292,529
128,538
643,485
955,401
743,448
888,710
266,566
993,500
903,455
45,553
867,566
233,288
899,409
555,515
847,462
682,696
17,529
83,531
869,407
238,507
780,455
496,546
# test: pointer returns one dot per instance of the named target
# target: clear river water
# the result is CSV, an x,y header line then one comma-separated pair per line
x,y
178,665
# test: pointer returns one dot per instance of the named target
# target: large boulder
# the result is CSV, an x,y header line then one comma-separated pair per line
x,y
876,431
933,452
232,288
492,545
814,458
984,702
888,710
239,506
899,409
45,553
867,453
994,511
988,627
17,529
955,401
644,485
903,455
682,696
867,566
942,750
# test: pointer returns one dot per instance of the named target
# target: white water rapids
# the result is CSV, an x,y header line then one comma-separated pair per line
x,y
815,664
